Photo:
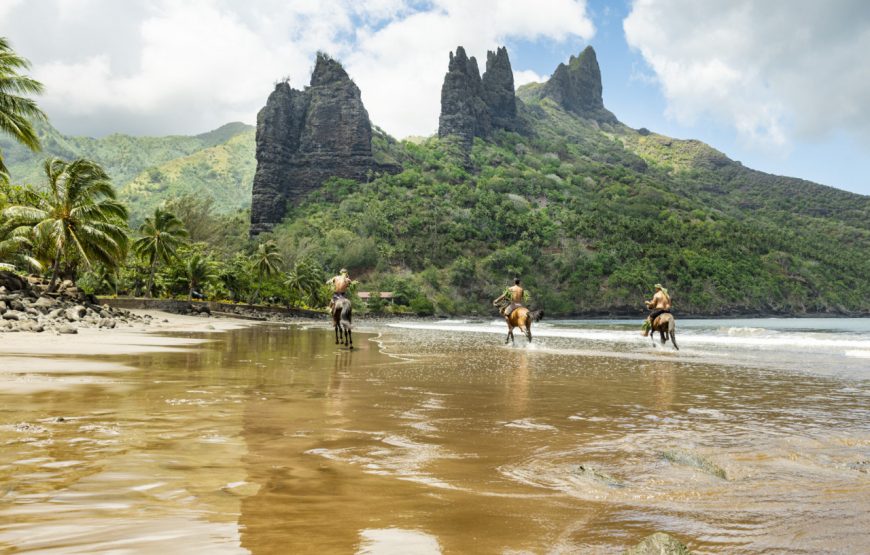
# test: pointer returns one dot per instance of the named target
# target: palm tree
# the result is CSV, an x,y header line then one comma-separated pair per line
x,y
16,244
266,262
197,271
16,112
161,236
77,217
306,279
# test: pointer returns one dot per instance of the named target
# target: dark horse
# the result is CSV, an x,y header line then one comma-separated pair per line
x,y
664,324
342,314
522,318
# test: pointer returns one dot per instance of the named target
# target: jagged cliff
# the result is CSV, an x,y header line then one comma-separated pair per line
x,y
306,137
472,106
577,87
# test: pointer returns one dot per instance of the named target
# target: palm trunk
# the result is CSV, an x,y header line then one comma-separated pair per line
x,y
257,290
151,279
55,269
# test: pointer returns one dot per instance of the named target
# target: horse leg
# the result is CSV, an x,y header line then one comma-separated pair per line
x,y
674,341
662,336
529,331
652,336
336,334
350,339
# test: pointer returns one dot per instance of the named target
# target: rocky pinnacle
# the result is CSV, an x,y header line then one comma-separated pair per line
x,y
306,137
472,106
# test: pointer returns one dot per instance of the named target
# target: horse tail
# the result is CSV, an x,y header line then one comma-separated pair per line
x,y
346,315
537,315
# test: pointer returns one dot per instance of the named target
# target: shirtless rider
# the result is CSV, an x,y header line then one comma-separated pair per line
x,y
516,294
660,304
340,284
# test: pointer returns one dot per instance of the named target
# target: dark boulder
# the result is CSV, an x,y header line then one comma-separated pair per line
x,y
13,282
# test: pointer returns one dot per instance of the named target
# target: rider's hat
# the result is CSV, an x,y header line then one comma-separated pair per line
x,y
658,286
343,271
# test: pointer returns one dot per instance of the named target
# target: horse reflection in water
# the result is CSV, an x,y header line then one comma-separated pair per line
x,y
342,314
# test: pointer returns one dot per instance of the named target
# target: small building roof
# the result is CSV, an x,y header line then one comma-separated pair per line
x,y
368,294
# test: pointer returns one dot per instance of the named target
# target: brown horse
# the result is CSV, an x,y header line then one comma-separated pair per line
x,y
664,324
522,318
342,314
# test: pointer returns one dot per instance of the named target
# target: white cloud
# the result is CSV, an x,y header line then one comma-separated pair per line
x,y
524,76
175,66
775,71
400,67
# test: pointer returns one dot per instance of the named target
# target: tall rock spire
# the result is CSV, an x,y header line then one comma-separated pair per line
x,y
498,89
577,87
306,137
472,106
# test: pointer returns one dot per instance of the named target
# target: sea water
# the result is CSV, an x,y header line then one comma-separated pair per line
x,y
436,437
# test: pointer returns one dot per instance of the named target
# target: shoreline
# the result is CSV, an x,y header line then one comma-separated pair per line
x,y
33,362
281,313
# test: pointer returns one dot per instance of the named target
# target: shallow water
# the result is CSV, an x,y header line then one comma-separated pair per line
x,y
273,440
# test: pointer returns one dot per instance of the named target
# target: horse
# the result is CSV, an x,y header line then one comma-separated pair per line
x,y
664,324
342,314
521,317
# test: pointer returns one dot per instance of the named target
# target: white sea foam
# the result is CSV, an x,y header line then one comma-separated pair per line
x,y
745,337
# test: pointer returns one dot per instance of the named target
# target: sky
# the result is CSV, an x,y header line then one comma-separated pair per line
x,y
781,85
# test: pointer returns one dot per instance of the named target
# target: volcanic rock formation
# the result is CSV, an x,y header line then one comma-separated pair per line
x,y
306,137
577,87
472,106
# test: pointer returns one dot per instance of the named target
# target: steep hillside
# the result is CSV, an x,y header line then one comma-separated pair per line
x,y
224,172
148,169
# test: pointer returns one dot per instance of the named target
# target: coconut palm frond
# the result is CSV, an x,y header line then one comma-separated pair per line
x,y
17,112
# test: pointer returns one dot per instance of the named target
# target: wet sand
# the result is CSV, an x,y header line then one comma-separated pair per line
x,y
34,362
270,439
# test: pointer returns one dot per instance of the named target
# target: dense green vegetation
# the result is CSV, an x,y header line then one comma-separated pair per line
x,y
589,215
148,171
590,218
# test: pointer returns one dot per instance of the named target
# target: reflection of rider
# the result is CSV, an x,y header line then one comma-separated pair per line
x,y
340,284
516,294
660,304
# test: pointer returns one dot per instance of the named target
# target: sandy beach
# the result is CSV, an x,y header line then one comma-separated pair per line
x,y
32,362
432,437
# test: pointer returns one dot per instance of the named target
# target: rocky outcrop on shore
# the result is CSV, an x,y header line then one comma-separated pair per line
x,y
306,137
24,309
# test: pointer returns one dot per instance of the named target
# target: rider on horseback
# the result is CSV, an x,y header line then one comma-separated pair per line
x,y
660,304
516,294
340,284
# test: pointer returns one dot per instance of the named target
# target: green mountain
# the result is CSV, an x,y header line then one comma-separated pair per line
x,y
149,170
589,212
